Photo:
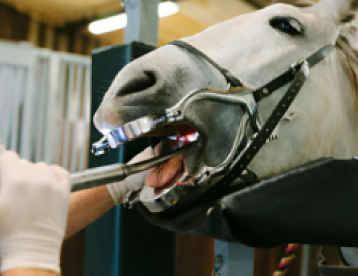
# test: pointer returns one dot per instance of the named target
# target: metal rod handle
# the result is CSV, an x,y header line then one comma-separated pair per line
x,y
114,173
98,176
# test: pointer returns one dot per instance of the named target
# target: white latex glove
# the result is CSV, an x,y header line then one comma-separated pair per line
x,y
133,182
34,203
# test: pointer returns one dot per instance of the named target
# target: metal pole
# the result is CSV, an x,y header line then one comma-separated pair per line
x,y
142,21
306,254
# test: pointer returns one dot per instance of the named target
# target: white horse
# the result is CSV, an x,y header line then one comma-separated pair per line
x,y
256,48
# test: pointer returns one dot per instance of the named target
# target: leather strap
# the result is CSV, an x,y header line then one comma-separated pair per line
x,y
228,76
223,187
270,87
297,73
289,75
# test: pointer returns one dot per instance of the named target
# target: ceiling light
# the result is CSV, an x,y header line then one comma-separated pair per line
x,y
167,9
118,22
108,24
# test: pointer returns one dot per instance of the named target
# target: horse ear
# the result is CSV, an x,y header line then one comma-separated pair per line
x,y
342,11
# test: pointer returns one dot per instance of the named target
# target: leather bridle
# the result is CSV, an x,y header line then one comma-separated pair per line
x,y
212,183
297,74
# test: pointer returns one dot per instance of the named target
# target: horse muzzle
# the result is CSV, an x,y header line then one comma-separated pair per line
x,y
212,182
178,125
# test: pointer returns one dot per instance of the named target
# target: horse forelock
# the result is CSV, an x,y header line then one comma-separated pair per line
x,y
346,44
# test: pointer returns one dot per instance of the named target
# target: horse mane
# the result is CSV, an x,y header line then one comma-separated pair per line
x,y
346,44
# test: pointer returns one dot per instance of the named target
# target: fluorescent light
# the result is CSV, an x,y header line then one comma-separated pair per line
x,y
167,9
118,22
108,24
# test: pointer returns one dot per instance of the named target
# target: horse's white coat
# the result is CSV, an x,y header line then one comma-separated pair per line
x,y
322,120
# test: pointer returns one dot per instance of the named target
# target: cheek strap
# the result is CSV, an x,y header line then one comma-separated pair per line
x,y
235,82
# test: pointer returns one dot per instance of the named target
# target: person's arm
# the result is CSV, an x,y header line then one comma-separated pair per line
x,y
88,205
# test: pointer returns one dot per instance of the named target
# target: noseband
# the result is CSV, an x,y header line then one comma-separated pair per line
x,y
270,87
201,189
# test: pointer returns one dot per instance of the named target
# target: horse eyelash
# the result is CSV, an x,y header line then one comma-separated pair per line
x,y
294,23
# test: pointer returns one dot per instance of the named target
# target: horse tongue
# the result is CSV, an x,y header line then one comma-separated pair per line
x,y
164,174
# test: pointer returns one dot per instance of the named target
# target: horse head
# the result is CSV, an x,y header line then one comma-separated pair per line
x,y
256,48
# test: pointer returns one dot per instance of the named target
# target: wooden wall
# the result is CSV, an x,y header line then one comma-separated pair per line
x,y
13,24
16,26
195,257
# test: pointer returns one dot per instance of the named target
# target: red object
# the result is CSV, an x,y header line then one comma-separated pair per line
x,y
287,259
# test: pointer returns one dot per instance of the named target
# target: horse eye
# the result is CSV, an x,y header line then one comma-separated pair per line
x,y
287,25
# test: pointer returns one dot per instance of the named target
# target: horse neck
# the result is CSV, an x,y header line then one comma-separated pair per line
x,y
344,85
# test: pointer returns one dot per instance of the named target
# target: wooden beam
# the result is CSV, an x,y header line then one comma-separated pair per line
x,y
194,255
49,37
6,22
33,32
78,43
62,42
19,29
58,13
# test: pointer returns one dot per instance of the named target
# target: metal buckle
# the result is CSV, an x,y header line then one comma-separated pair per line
x,y
295,67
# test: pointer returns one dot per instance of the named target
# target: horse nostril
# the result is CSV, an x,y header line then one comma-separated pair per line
x,y
139,82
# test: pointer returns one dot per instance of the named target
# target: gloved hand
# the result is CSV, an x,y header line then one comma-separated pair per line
x,y
133,182
34,203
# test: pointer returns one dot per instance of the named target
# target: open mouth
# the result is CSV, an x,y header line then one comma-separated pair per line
x,y
172,137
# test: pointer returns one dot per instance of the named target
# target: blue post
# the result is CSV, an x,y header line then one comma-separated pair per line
x,y
122,242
